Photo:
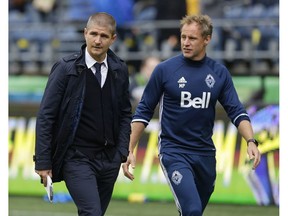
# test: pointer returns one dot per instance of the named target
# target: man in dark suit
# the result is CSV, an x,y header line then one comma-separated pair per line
x,y
83,125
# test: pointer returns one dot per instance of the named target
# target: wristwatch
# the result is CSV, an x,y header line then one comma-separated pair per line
x,y
252,140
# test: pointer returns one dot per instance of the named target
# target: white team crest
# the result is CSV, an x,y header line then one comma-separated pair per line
x,y
176,177
210,81
182,82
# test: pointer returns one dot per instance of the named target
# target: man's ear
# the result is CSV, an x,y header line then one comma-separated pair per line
x,y
114,37
85,32
207,40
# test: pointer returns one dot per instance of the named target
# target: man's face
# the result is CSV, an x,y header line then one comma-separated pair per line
x,y
193,45
98,39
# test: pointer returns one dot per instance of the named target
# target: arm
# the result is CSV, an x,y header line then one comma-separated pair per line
x,y
246,131
238,115
137,131
143,114
46,121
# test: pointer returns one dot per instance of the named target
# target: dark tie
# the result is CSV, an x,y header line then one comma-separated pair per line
x,y
98,71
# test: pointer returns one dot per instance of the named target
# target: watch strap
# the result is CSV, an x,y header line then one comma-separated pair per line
x,y
253,140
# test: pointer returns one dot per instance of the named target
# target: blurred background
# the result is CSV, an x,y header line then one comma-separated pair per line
x,y
245,39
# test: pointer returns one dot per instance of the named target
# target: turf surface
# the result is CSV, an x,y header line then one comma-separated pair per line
x,y
32,206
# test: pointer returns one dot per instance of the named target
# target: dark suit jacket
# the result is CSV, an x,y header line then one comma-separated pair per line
x,y
61,107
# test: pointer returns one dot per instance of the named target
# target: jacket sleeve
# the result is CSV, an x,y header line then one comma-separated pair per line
x,y
231,103
47,116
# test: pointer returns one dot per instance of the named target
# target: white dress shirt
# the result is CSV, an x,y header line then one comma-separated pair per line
x,y
90,64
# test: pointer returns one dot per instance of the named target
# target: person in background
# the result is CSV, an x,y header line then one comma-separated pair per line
x,y
83,125
187,88
139,80
172,11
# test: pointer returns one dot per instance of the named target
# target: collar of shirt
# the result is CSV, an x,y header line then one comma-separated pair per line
x,y
90,63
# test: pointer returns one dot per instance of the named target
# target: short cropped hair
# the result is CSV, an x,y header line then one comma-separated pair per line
x,y
204,21
102,19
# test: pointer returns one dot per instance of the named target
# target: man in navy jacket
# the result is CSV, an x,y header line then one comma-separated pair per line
x,y
83,126
187,88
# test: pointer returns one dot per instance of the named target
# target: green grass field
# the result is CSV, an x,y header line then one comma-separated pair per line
x,y
32,206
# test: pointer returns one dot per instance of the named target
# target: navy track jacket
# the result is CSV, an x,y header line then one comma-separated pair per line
x,y
188,92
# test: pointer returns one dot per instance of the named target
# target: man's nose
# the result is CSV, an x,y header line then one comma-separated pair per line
x,y
97,39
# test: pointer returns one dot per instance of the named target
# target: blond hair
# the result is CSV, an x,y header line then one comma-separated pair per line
x,y
204,21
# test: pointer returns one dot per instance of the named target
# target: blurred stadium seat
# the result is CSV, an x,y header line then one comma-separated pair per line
x,y
245,38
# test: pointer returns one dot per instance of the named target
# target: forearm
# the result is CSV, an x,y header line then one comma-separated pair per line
x,y
137,129
245,130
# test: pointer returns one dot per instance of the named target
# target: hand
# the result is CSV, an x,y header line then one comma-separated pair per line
x,y
125,166
43,175
254,153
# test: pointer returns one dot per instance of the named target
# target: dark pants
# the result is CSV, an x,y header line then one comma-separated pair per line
x,y
90,182
191,179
